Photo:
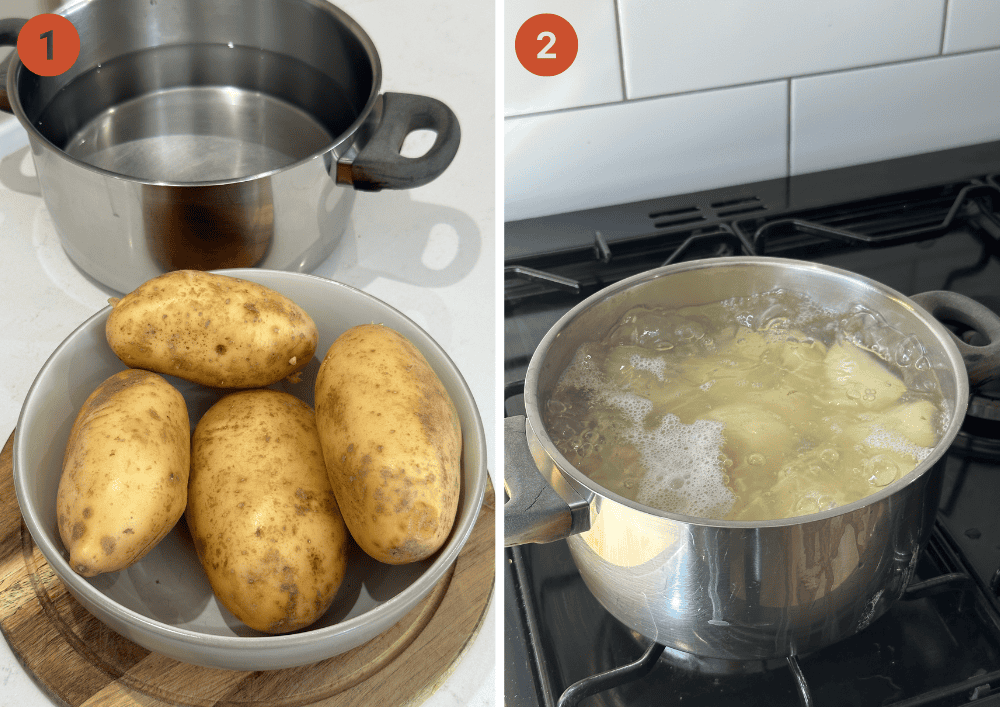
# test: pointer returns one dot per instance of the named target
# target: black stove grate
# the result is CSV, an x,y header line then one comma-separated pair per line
x,y
937,646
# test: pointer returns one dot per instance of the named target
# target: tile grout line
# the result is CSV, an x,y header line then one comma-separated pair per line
x,y
944,26
788,133
621,49
762,82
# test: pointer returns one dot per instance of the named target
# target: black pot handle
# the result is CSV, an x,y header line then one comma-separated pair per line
x,y
536,512
982,362
380,166
9,29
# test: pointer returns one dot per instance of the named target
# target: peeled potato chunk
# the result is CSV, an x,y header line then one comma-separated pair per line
x,y
915,421
753,430
854,378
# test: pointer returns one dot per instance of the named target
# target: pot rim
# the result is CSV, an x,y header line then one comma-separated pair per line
x,y
532,408
342,17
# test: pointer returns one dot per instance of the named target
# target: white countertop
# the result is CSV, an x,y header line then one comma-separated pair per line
x,y
440,271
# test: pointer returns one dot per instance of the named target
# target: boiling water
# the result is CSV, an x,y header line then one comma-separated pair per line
x,y
749,409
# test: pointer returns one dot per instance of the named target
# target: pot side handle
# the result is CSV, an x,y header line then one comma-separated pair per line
x,y
982,362
9,29
379,165
536,512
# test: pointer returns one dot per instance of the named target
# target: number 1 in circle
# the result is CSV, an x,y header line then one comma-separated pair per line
x,y
47,36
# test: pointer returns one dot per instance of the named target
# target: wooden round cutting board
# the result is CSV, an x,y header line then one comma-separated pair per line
x,y
82,662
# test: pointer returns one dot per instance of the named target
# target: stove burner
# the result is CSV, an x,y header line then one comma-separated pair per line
x,y
719,666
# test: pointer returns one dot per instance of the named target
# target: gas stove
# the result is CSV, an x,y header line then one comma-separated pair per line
x,y
916,224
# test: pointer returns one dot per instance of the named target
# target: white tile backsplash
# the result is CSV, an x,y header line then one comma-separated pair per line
x,y
612,154
891,111
593,78
689,45
972,24
723,92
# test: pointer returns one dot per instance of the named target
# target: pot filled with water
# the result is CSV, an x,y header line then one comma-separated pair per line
x,y
743,454
212,135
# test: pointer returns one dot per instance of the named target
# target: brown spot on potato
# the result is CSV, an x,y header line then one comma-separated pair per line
x,y
108,544
79,528
87,512
220,349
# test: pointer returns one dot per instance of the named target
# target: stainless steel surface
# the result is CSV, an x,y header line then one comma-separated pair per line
x,y
194,135
747,590
164,601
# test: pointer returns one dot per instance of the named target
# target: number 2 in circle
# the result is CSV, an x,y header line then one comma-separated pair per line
x,y
544,54
47,36
535,44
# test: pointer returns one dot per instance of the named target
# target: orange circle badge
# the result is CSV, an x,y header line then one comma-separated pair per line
x,y
546,45
48,44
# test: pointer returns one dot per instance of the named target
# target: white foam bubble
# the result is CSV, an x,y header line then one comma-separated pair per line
x,y
656,366
885,439
634,406
683,471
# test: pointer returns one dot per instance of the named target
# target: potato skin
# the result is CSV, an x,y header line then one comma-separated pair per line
x,y
211,329
125,472
261,511
392,442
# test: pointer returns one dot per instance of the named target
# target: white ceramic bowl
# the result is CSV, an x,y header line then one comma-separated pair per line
x,y
164,601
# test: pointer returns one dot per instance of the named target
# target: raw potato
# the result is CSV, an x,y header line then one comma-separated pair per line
x,y
211,329
125,472
392,443
264,519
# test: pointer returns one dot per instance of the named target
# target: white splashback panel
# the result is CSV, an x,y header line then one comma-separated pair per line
x,y
689,95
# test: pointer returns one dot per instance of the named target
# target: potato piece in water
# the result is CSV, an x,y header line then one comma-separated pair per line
x,y
264,519
392,441
211,329
915,421
854,378
750,430
125,472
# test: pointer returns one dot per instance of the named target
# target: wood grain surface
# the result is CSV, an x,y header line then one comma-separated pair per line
x,y
81,662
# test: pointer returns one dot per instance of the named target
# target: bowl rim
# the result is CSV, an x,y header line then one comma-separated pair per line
x,y
305,637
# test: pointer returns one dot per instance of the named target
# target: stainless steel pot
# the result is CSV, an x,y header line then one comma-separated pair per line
x,y
731,589
221,134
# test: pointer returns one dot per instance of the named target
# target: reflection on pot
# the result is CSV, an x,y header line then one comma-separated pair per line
x,y
206,228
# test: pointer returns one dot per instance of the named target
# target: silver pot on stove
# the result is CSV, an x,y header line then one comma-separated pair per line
x,y
739,590
211,135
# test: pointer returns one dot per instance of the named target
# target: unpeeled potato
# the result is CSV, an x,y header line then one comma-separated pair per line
x,y
264,519
211,329
392,442
125,472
